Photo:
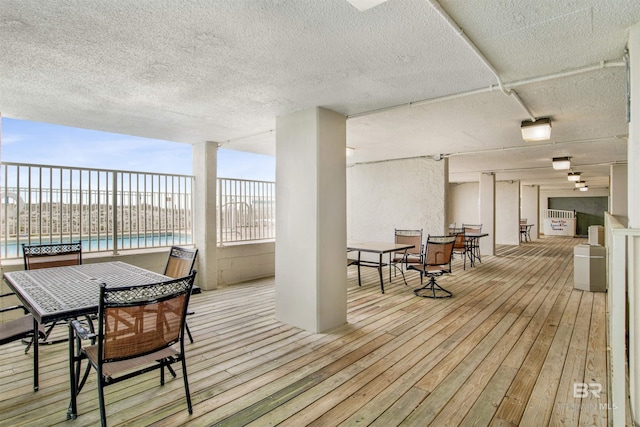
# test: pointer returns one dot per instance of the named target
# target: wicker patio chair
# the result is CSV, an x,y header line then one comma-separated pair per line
x,y
437,261
21,328
461,246
180,263
474,244
138,329
410,256
51,255
46,256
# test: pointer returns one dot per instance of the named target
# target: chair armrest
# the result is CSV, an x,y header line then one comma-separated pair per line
x,y
81,331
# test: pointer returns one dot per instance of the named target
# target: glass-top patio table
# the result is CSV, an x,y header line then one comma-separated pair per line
x,y
379,248
65,293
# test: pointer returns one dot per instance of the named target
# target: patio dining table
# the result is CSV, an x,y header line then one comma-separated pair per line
x,y
379,248
473,243
66,293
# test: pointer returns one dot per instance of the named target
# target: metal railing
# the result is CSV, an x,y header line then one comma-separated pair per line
x,y
246,210
106,210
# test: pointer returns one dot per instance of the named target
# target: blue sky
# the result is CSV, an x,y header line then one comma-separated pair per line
x,y
41,143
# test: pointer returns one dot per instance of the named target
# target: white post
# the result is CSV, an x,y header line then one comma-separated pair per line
x,y
205,169
311,244
487,207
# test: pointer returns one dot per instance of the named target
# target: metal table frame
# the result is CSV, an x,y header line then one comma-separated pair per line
x,y
66,293
379,248
473,242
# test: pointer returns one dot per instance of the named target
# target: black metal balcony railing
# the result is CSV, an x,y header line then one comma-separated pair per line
x,y
109,210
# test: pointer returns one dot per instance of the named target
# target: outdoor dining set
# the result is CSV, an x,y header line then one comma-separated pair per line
x,y
122,320
430,259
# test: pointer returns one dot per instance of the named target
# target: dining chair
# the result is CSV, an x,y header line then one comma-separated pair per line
x,y
523,229
46,256
51,255
473,244
139,328
461,246
409,256
180,263
436,262
21,328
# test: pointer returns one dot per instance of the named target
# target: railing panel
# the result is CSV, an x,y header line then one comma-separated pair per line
x,y
110,210
105,209
246,210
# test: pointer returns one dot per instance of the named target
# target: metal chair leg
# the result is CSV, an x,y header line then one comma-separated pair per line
x,y
435,290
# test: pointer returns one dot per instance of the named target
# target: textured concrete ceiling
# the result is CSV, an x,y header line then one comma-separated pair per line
x,y
409,83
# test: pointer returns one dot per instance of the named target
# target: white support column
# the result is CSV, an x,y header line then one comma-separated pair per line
x,y
311,274
633,180
618,189
205,170
507,218
487,206
530,196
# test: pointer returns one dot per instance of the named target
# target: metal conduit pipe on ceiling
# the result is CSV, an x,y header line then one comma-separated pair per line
x,y
436,6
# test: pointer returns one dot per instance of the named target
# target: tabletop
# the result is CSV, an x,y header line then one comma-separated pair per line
x,y
59,293
377,247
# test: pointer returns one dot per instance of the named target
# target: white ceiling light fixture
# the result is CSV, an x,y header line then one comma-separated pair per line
x,y
363,5
580,184
585,188
561,163
573,176
538,130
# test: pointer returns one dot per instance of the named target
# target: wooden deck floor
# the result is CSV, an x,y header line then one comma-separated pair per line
x,y
507,349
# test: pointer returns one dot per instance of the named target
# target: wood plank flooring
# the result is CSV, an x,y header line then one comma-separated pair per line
x,y
506,350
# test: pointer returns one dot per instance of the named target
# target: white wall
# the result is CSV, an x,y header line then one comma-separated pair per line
x,y
508,212
242,262
407,193
463,203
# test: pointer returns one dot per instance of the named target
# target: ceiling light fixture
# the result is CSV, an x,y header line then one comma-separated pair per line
x,y
560,163
363,5
580,184
536,130
585,188
573,176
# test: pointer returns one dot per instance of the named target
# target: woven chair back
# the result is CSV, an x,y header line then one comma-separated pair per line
x,y
439,250
180,261
139,320
410,237
53,255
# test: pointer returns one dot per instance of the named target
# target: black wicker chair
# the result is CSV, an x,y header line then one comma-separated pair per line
x,y
437,261
138,327
46,256
179,264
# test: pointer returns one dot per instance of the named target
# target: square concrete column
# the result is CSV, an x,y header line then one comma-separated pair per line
x,y
618,198
487,202
311,273
205,169
507,216
530,196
